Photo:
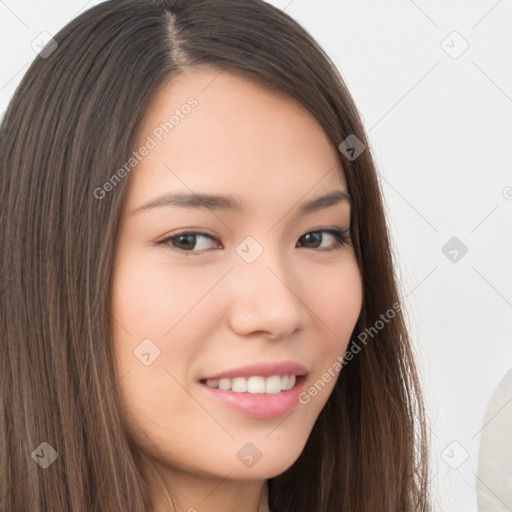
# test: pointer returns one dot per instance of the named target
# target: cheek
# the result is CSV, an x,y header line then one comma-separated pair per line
x,y
337,302
154,301
337,298
151,297
150,302
163,310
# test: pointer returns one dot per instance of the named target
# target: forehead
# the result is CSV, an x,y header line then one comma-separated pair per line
x,y
210,130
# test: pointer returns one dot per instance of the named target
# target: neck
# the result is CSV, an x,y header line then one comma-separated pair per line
x,y
193,493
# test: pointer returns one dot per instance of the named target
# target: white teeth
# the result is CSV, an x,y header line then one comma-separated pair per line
x,y
225,384
256,384
212,383
273,384
239,385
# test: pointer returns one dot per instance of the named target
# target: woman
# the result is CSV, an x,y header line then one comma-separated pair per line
x,y
200,311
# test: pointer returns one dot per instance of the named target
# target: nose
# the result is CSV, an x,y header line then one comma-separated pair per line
x,y
266,299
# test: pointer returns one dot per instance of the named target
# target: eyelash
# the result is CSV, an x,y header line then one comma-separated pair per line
x,y
342,238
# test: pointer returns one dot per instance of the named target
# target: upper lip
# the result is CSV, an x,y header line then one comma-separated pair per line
x,y
266,369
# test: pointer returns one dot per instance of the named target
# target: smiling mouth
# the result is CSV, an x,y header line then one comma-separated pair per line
x,y
255,384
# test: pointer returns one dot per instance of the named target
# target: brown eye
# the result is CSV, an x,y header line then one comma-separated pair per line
x,y
314,239
189,241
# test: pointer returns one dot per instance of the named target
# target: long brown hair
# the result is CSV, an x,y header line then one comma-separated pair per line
x,y
70,125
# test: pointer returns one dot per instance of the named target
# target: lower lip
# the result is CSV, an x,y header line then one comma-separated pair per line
x,y
259,405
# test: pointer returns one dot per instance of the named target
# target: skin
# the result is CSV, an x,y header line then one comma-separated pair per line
x,y
297,301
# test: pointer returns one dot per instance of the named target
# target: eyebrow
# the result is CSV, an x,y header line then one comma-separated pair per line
x,y
229,203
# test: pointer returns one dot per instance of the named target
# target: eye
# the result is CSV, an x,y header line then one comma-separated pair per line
x,y
191,241
188,241
316,238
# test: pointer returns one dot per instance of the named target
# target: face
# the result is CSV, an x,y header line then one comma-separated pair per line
x,y
258,293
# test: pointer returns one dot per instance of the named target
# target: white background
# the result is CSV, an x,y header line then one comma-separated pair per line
x,y
440,130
